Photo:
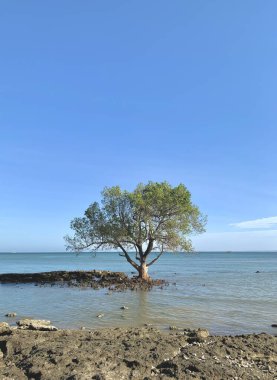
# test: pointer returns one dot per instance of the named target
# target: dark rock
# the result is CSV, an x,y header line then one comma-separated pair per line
x,y
114,281
168,368
193,368
173,328
11,315
131,363
197,336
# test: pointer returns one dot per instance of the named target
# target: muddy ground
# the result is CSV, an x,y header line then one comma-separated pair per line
x,y
93,279
135,353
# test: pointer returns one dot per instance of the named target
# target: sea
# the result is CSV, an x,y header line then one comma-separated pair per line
x,y
226,292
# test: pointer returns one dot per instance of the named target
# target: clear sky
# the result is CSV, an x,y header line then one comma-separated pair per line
x,y
99,93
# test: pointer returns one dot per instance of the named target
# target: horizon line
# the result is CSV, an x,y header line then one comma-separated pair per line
x,y
184,252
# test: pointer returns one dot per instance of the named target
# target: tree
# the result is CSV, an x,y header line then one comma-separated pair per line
x,y
154,218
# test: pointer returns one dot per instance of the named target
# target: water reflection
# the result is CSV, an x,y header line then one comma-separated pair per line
x,y
144,308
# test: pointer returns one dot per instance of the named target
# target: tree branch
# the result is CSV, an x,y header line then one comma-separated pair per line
x,y
128,258
149,247
156,258
139,246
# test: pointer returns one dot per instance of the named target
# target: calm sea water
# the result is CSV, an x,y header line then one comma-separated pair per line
x,y
218,291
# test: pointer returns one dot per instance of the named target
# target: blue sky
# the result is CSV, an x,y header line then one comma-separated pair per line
x,y
99,93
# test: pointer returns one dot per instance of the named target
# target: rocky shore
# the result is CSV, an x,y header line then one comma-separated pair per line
x,y
87,279
132,353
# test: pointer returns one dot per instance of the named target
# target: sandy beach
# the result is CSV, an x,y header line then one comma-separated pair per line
x,y
134,353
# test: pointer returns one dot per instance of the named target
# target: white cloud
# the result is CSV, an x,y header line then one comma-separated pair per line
x,y
263,223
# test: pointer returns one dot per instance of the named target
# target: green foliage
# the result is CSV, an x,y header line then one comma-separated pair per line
x,y
154,217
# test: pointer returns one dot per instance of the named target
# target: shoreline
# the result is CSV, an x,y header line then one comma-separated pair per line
x,y
134,353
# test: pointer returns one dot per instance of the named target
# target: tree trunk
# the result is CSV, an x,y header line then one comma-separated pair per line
x,y
143,272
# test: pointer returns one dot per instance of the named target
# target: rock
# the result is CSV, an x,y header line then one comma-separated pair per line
x,y
124,308
113,281
202,333
258,271
197,336
36,324
11,315
4,328
82,328
4,324
274,325
100,315
173,328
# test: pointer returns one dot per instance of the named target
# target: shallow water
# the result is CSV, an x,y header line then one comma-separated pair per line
x,y
218,291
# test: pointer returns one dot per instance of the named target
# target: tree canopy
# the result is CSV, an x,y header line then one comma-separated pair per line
x,y
154,218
